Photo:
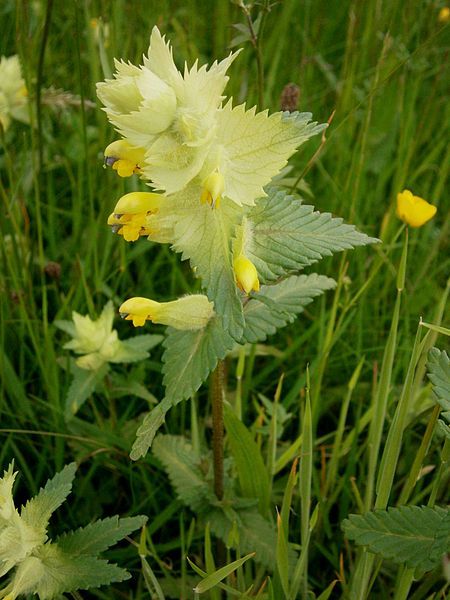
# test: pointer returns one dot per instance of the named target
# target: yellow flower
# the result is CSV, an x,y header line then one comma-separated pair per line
x,y
131,212
189,312
212,189
412,210
13,92
444,15
124,158
246,274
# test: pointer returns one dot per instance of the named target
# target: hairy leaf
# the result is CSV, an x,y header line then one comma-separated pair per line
x,y
439,375
38,510
183,467
67,573
190,356
277,305
204,237
287,235
98,536
411,535
149,428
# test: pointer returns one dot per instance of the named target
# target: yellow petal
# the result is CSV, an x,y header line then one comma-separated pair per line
x,y
212,189
138,202
413,210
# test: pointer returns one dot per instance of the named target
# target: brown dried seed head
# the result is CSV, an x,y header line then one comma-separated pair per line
x,y
290,97
53,270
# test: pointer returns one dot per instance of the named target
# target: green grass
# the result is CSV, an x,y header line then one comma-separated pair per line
x,y
381,66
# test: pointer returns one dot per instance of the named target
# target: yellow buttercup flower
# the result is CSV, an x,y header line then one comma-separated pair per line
x,y
444,15
189,312
246,274
124,158
212,189
130,216
413,210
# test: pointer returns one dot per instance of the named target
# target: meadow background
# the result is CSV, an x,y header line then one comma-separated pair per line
x,y
382,66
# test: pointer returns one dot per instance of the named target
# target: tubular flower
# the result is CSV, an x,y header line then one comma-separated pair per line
x,y
413,210
212,189
246,274
124,158
189,312
130,216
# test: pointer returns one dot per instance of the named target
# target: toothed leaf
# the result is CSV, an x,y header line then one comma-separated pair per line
x,y
99,536
183,467
287,236
257,146
277,305
411,535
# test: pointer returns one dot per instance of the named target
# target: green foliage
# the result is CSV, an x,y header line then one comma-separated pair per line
x,y
288,235
439,375
250,467
70,563
204,237
277,305
411,535
84,383
184,471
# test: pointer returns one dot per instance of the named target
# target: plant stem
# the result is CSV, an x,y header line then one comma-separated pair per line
x,y
218,377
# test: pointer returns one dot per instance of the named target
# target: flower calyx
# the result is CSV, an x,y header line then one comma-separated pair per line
x,y
186,313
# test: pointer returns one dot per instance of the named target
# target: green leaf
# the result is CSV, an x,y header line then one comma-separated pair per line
x,y
214,578
203,235
411,535
183,468
99,536
190,356
38,510
276,305
147,431
287,236
135,348
439,374
83,385
256,534
252,472
67,573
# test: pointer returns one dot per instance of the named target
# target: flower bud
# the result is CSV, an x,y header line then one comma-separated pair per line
x,y
212,189
413,210
187,313
246,274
